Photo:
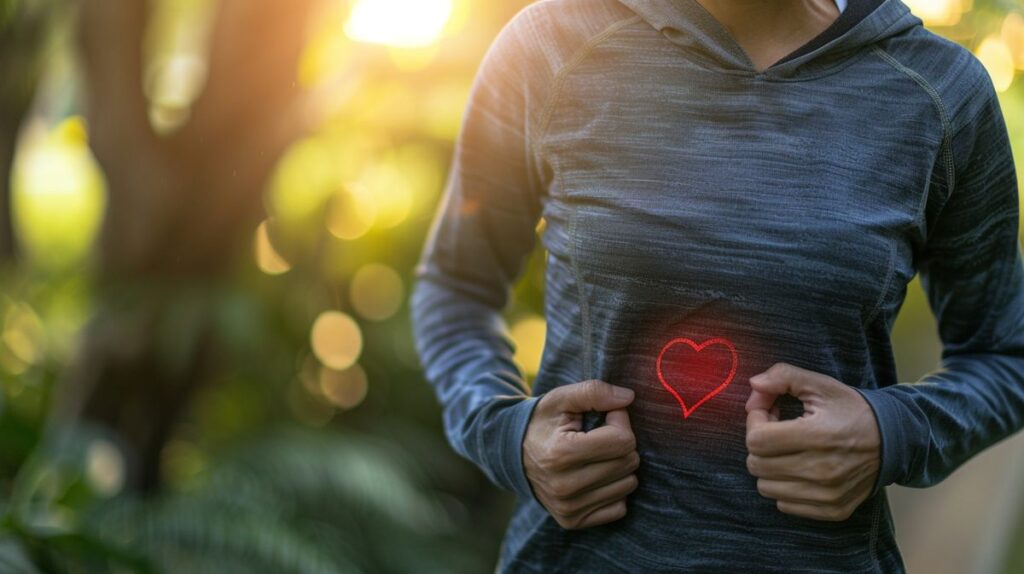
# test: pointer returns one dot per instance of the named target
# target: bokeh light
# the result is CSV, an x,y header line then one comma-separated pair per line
x,y
58,193
1013,34
939,12
376,291
390,189
404,23
998,60
104,468
336,340
23,334
267,258
352,213
528,334
345,389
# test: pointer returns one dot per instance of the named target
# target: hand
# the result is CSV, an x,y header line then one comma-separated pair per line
x,y
581,478
822,465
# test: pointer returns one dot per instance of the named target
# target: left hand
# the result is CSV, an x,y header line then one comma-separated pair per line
x,y
822,465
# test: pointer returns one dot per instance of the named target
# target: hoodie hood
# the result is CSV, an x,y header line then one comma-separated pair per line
x,y
691,26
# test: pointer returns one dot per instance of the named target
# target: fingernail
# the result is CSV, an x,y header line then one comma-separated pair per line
x,y
622,393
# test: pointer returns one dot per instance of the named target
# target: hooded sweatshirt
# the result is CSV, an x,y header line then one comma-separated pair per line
x,y
702,221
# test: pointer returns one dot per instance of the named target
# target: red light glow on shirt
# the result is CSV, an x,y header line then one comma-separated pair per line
x,y
696,372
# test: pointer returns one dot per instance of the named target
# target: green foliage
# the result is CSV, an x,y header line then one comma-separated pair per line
x,y
290,501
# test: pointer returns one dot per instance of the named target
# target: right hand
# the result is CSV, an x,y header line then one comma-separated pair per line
x,y
581,478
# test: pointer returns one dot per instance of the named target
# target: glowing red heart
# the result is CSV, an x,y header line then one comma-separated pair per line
x,y
693,371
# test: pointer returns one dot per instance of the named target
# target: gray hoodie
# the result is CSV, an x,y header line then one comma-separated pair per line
x,y
757,217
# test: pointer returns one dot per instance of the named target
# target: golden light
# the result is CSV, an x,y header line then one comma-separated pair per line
x,y
104,468
939,12
267,258
174,85
529,334
995,55
303,179
345,389
390,189
23,334
1013,35
376,291
336,340
58,193
402,23
352,213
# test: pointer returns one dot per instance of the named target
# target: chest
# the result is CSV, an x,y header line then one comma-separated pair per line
x,y
758,193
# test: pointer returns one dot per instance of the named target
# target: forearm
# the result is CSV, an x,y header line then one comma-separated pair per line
x,y
931,427
467,358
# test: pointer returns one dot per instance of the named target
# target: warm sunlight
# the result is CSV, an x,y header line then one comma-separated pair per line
x,y
939,12
400,23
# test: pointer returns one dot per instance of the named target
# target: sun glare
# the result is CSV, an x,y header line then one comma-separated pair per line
x,y
399,23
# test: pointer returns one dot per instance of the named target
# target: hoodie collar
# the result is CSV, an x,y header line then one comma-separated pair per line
x,y
688,24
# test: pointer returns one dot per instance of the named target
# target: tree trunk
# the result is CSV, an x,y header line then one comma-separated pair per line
x,y
180,209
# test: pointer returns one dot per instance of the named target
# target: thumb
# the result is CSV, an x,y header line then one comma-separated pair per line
x,y
592,395
782,379
618,418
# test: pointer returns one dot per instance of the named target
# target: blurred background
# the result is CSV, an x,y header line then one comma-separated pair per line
x,y
210,211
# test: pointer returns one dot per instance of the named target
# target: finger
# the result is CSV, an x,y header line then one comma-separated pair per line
x,y
815,512
783,378
604,515
775,438
607,442
591,395
801,492
607,494
597,474
757,418
785,467
618,418
760,400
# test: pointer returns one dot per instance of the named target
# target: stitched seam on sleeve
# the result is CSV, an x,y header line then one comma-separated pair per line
x,y
566,69
947,133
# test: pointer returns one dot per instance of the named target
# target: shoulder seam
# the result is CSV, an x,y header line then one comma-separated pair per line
x,y
578,57
947,133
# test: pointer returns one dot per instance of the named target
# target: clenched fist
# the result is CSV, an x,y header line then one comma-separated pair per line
x,y
581,478
822,465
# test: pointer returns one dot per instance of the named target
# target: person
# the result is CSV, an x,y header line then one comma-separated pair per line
x,y
734,197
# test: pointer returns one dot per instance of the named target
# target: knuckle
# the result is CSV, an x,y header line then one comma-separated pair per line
x,y
632,482
628,441
829,472
567,523
829,496
619,509
835,513
755,440
753,464
762,488
633,461
561,507
561,489
781,370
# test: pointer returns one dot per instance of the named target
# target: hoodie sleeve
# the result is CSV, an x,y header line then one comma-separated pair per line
x,y
972,274
484,230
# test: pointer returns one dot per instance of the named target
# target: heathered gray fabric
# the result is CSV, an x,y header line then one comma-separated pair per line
x,y
687,195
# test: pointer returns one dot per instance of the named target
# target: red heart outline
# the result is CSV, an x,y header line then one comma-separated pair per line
x,y
687,411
